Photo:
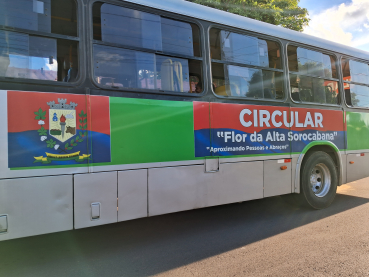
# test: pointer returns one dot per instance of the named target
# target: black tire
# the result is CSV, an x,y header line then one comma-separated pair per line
x,y
317,198
322,197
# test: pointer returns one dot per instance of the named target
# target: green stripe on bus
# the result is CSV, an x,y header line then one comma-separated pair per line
x,y
320,142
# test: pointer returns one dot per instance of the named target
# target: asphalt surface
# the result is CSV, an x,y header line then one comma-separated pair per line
x,y
266,237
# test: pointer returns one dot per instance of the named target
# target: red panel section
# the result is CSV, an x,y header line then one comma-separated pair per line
x,y
331,120
23,105
100,114
201,115
225,115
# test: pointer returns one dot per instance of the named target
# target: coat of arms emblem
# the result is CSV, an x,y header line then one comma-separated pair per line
x,y
62,127
62,118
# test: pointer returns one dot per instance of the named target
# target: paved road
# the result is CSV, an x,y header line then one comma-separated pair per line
x,y
257,238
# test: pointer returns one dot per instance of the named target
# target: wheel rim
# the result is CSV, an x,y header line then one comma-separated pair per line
x,y
320,180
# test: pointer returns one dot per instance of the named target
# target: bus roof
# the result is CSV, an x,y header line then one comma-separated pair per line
x,y
216,16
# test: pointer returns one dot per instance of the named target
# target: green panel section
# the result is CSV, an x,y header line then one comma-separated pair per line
x,y
357,130
145,131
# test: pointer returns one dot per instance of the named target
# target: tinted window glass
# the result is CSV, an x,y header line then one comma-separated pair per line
x,y
355,71
218,79
50,16
230,80
124,68
316,90
273,83
134,69
172,74
244,49
359,72
121,67
32,57
130,27
310,62
177,37
357,96
26,14
244,81
346,70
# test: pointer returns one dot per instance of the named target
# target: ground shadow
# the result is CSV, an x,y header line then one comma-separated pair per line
x,y
152,245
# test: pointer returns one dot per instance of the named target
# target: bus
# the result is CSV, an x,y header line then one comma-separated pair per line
x,y
116,110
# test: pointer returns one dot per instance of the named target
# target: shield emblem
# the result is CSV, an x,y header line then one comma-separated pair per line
x,y
62,123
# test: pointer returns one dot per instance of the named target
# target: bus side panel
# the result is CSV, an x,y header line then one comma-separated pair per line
x,y
357,145
95,192
277,181
132,194
174,189
35,206
357,166
238,129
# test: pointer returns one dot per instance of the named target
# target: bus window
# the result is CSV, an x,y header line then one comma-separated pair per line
x,y
130,27
315,90
357,96
41,54
273,83
55,16
237,81
172,74
40,58
163,46
356,79
310,81
225,46
232,79
308,62
177,37
125,68
355,71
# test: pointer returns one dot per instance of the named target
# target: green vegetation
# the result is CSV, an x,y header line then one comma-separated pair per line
x,y
285,13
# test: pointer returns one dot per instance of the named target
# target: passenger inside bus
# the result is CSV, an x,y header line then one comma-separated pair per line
x,y
195,84
72,72
198,88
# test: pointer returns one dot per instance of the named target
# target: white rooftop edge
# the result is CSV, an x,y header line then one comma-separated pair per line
x,y
216,16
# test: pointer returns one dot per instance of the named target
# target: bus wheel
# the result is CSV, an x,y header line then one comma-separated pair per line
x,y
318,182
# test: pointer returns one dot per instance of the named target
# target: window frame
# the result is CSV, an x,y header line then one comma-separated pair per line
x,y
256,35
338,70
350,82
79,38
161,13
